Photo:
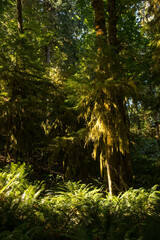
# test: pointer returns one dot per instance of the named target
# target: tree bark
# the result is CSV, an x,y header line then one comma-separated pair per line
x,y
100,18
101,35
113,42
112,23
19,16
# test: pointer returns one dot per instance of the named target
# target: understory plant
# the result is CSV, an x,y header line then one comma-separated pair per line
x,y
73,210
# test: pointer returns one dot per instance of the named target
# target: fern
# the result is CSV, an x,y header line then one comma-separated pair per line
x,y
73,211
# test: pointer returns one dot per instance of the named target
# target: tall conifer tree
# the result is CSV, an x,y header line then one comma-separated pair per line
x,y
109,123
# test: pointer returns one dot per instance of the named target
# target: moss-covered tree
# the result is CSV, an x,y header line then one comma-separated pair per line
x,y
108,125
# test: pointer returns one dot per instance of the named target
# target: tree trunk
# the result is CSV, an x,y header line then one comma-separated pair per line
x,y
116,172
112,23
113,42
19,16
101,35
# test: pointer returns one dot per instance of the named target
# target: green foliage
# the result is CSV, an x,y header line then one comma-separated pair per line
x,y
27,92
145,161
48,78
73,210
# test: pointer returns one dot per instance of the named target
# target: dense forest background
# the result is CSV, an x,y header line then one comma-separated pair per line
x,y
80,103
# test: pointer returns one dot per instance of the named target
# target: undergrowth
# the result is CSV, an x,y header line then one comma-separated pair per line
x,y
73,210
